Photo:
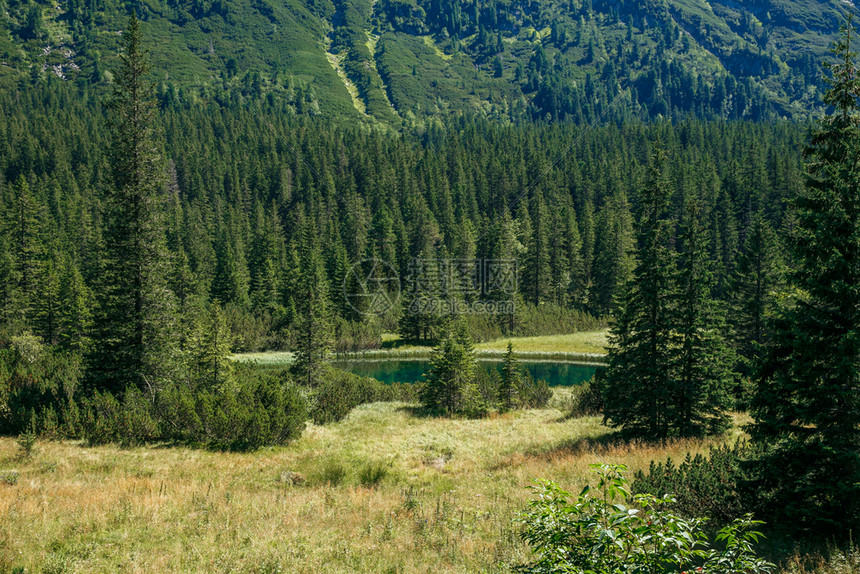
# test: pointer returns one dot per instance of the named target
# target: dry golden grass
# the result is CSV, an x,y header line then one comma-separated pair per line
x,y
445,505
583,342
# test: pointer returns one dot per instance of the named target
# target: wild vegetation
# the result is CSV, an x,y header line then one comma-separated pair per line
x,y
382,490
399,62
143,242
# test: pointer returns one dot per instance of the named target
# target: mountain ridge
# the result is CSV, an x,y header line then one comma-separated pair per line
x,y
387,62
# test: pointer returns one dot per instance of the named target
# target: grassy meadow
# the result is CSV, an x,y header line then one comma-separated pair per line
x,y
385,490
585,346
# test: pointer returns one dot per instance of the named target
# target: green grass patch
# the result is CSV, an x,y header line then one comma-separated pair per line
x,y
382,491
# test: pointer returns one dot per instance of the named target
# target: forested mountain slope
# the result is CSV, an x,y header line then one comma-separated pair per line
x,y
243,186
395,61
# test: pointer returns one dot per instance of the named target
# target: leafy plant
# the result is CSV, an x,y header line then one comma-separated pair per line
x,y
609,529
10,478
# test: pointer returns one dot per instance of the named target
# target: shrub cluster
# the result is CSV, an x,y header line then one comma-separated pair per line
x,y
587,398
41,393
261,410
342,391
608,529
707,486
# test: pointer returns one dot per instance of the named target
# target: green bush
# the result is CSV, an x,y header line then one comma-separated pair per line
x,y
252,413
586,399
706,486
343,391
35,386
608,529
372,473
533,394
249,413
126,421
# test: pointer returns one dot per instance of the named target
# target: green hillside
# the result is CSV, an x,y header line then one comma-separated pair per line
x,y
390,61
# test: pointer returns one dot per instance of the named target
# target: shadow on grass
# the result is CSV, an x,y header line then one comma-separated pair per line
x,y
422,412
611,444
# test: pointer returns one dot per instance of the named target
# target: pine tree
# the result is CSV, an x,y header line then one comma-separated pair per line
x,y
452,372
612,265
702,360
25,225
536,285
8,286
210,349
510,381
806,409
75,317
313,330
135,319
755,284
639,376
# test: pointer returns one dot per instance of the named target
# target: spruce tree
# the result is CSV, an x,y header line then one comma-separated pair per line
x,y
536,280
313,330
510,381
639,376
701,375
210,350
135,320
807,406
452,372
754,294
25,225
76,304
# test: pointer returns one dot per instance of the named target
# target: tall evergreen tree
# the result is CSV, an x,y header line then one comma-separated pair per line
x,y
452,372
702,361
76,304
807,407
25,225
639,376
135,320
210,349
313,329
537,279
612,265
510,381
754,294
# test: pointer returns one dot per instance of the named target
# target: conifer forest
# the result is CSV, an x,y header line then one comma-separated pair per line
x,y
539,286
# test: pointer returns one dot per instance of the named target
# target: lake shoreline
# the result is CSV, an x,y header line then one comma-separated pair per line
x,y
591,359
583,348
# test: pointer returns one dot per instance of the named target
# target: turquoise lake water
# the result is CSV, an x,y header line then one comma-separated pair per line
x,y
412,370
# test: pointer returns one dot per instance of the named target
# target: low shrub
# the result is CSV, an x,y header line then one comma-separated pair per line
x,y
706,486
608,529
128,420
533,394
248,413
372,473
586,399
342,391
